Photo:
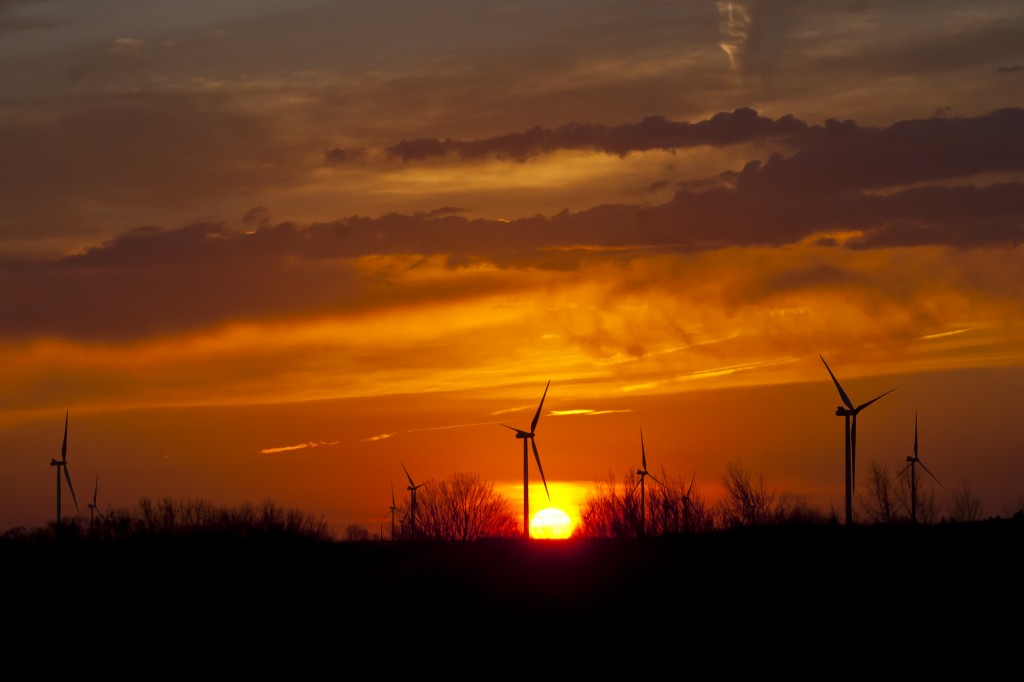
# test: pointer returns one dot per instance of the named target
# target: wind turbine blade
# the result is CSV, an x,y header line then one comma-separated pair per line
x,y
536,417
842,393
95,489
930,473
392,494
407,474
67,477
691,483
861,407
64,446
643,452
657,481
904,469
536,456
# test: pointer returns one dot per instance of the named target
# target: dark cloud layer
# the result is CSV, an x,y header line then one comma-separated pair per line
x,y
653,132
865,157
150,280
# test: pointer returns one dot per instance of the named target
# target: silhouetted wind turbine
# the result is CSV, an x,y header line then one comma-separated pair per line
x,y
93,509
643,473
686,503
412,501
529,437
851,437
915,460
63,462
393,509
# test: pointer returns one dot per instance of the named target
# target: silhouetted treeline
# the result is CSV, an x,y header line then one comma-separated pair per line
x,y
190,520
674,506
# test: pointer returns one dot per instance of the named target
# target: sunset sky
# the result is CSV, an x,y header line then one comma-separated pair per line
x,y
265,249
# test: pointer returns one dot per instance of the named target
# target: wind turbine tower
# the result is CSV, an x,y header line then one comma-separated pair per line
x,y
913,462
849,413
643,473
412,501
63,462
528,437
93,508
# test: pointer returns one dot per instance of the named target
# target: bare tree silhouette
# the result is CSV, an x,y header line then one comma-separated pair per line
x,y
880,503
356,533
747,501
463,507
916,498
966,504
612,509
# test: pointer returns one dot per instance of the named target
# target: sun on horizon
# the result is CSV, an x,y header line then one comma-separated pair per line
x,y
550,524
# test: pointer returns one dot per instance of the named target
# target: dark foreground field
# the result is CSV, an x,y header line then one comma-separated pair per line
x,y
771,584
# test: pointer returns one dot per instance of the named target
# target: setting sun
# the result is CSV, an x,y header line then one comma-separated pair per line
x,y
550,524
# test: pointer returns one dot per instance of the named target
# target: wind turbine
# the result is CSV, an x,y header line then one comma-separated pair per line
x,y
850,413
412,501
63,462
93,509
915,460
393,508
686,504
643,473
529,437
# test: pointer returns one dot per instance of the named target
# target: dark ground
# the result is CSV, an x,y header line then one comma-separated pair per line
x,y
760,589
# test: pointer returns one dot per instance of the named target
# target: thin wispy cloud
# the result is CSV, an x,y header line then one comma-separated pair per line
x,y
511,409
941,335
385,436
451,426
374,439
300,446
734,24
587,412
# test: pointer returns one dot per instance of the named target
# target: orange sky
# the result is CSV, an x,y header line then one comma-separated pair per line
x,y
398,221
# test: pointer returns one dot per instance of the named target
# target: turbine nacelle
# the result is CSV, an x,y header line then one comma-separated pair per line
x,y
519,432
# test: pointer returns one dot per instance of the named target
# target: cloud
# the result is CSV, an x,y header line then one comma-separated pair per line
x,y
443,211
126,47
382,436
911,184
300,446
258,216
586,412
653,132
133,150
339,156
